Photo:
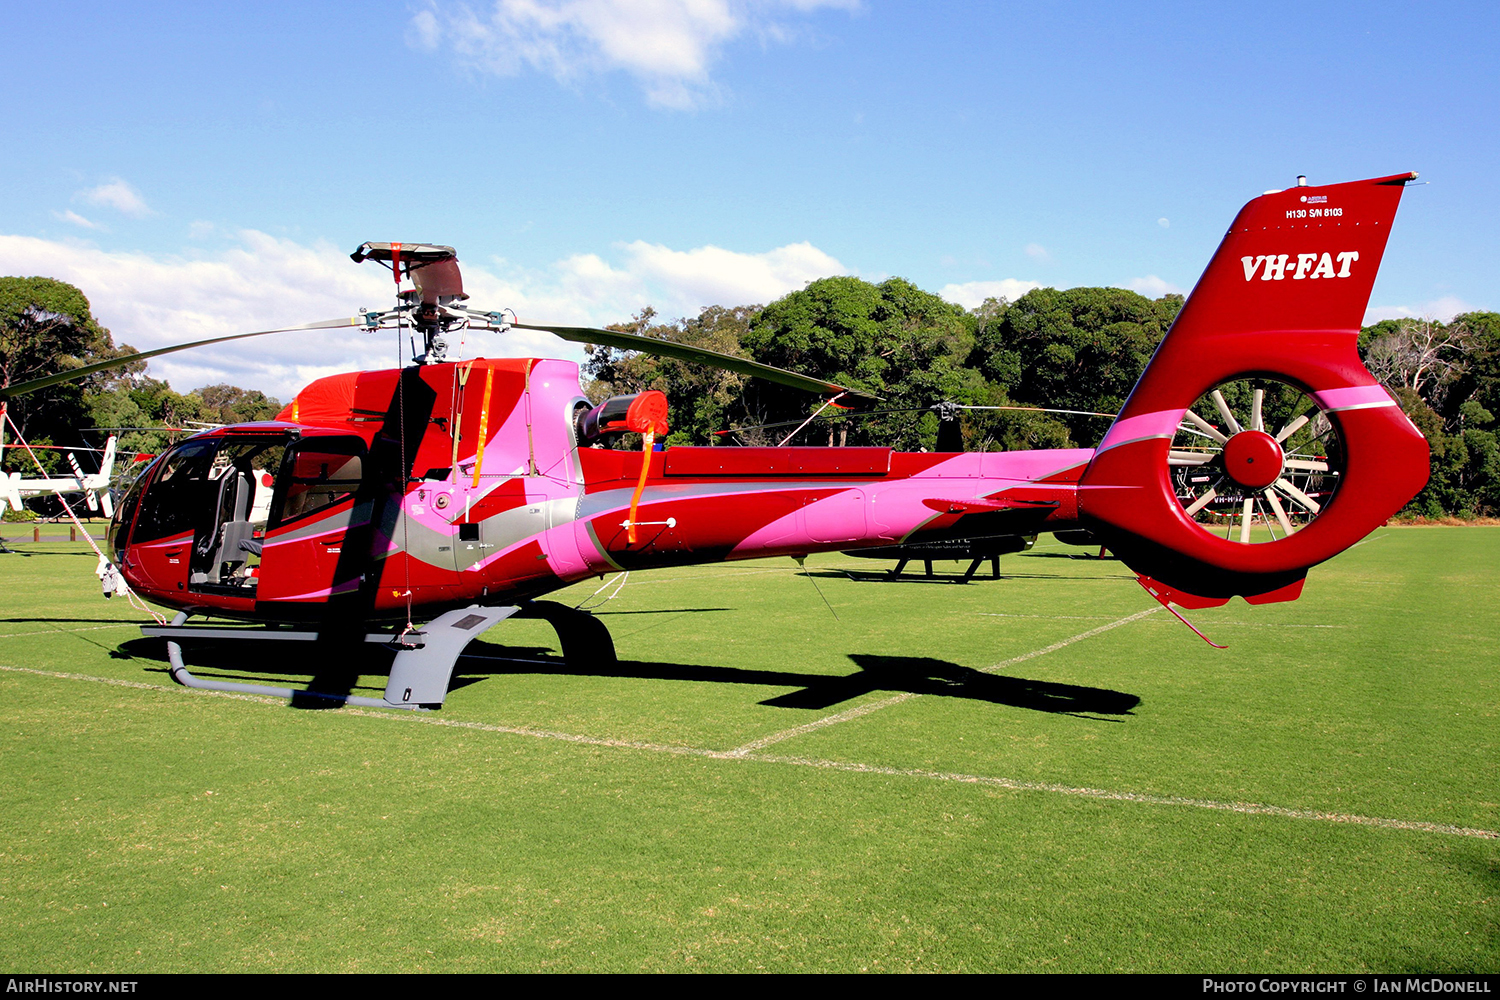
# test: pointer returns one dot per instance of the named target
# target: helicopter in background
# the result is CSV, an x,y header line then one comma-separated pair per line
x,y
95,487
460,492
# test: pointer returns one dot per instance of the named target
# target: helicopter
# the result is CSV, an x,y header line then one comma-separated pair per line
x,y
457,493
94,486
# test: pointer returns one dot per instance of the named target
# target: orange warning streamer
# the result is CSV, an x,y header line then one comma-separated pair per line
x,y
647,440
648,417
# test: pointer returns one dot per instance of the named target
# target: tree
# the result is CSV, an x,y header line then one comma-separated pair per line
x,y
1079,349
229,404
1479,381
1447,378
702,398
892,339
1422,355
46,326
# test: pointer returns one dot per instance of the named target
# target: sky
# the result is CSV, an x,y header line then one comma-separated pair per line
x,y
205,169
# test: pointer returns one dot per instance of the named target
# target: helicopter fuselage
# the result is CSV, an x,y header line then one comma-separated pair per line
x,y
445,485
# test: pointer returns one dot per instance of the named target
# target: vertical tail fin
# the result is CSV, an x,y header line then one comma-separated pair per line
x,y
1277,311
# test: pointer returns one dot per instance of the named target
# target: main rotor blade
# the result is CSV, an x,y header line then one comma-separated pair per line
x,y
682,352
21,388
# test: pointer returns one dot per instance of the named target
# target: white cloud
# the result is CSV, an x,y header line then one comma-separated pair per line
x,y
1037,252
423,31
77,220
152,301
1153,287
667,45
714,276
119,195
1442,310
971,294
1164,223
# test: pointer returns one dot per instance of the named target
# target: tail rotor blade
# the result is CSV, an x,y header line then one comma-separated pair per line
x,y
1225,412
1293,427
1205,426
1275,502
1201,502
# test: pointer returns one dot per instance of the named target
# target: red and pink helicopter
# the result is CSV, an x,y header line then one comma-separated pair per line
x,y
457,493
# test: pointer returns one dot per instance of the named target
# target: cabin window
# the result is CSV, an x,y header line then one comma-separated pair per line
x,y
319,474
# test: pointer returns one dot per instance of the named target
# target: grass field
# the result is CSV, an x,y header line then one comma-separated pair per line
x,y
1037,773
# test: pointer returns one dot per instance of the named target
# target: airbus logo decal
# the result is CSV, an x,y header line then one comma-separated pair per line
x,y
1309,265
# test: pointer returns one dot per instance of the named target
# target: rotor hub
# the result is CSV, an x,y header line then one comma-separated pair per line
x,y
1253,459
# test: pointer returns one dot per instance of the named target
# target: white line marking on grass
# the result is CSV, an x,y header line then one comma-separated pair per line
x,y
113,681
828,720
863,710
1069,618
1010,784
64,631
1072,639
1246,808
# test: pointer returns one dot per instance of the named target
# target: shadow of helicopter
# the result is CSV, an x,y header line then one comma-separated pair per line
x,y
897,674
866,576
1091,557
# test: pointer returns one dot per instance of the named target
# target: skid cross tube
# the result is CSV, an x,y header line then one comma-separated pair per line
x,y
419,675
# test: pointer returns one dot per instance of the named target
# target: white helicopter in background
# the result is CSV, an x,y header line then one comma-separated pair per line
x,y
94,486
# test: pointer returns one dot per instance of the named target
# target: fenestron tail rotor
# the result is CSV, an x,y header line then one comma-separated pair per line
x,y
1240,475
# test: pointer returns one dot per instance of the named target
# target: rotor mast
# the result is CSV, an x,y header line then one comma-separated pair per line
x,y
431,307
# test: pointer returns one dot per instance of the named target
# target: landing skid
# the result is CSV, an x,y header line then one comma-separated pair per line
x,y
424,661
994,562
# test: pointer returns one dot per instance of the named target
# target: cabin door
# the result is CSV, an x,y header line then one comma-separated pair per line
x,y
318,541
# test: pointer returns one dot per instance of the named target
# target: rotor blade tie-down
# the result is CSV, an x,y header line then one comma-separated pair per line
x,y
462,373
826,404
648,438
104,563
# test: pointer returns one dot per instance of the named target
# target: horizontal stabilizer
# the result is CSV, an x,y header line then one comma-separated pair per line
x,y
987,505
